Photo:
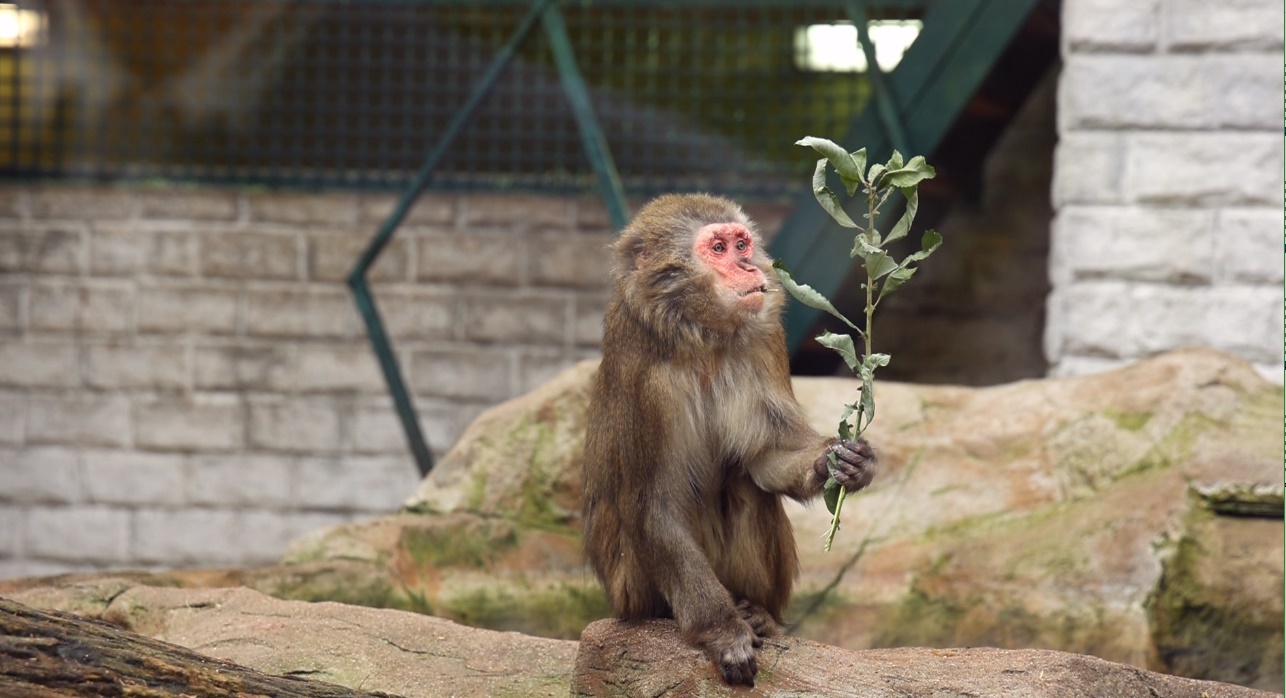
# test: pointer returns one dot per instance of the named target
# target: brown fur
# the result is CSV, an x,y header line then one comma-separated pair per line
x,y
693,436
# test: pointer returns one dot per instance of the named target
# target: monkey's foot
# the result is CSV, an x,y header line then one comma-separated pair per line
x,y
760,620
732,649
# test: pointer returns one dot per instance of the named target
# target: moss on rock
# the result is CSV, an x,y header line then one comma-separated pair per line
x,y
558,611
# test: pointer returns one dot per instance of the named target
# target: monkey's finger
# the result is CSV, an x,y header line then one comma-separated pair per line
x,y
821,466
855,478
742,673
855,452
851,458
738,673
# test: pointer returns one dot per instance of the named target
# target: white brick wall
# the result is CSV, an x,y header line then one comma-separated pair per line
x,y
184,379
1167,183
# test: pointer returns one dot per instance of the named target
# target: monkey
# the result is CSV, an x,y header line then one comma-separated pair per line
x,y
693,434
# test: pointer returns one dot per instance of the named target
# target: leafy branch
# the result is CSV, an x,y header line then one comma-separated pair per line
x,y
884,275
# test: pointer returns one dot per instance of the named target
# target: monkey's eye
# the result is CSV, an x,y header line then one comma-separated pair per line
x,y
718,248
741,245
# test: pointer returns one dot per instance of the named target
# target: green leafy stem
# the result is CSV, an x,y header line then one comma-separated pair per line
x,y
884,275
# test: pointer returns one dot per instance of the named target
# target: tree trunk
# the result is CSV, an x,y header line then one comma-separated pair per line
x,y
45,654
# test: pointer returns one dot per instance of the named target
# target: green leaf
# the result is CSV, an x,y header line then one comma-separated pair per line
x,y
863,248
845,430
827,198
871,177
928,244
898,277
866,403
873,361
880,265
859,161
912,173
895,162
841,344
830,491
807,294
866,406
867,374
876,260
838,157
904,223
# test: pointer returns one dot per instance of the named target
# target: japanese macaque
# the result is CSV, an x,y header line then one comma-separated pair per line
x,y
694,434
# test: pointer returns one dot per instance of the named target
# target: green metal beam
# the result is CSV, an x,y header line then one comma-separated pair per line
x,y
595,148
357,282
960,43
882,95
592,138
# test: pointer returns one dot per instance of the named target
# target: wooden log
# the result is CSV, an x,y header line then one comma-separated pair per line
x,y
46,654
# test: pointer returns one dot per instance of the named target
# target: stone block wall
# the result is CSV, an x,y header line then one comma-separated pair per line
x,y
184,378
1168,183
985,288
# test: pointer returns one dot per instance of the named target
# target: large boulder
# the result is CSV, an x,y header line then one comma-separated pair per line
x,y
616,658
384,651
1134,515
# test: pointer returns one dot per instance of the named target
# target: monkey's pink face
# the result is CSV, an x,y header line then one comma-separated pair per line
x,y
727,249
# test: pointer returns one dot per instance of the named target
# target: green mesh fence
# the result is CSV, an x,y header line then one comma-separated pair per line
x,y
353,93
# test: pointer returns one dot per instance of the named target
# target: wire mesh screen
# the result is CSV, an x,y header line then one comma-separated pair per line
x,y
692,95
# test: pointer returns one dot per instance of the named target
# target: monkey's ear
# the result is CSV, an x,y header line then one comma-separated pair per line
x,y
634,256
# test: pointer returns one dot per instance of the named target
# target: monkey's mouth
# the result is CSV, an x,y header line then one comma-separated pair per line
x,y
762,288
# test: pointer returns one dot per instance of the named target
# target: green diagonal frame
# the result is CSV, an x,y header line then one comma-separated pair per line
x,y
913,107
596,149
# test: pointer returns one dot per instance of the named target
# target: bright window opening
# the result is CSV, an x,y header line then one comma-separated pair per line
x,y
834,48
20,28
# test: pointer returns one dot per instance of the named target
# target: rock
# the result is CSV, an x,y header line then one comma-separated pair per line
x,y
369,649
1067,514
53,653
477,569
384,651
1133,515
545,430
1085,514
649,659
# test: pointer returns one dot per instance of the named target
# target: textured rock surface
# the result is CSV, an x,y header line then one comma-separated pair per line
x,y
1084,514
649,659
520,459
49,653
408,654
1133,516
385,650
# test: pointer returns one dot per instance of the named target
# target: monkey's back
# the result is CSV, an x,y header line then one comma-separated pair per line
x,y
615,494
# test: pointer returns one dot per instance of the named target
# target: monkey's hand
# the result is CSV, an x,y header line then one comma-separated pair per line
x,y
855,463
732,649
760,620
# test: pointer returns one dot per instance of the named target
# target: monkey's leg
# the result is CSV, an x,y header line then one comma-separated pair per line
x,y
702,607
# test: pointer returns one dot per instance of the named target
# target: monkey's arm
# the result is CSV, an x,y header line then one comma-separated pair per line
x,y
800,473
793,461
